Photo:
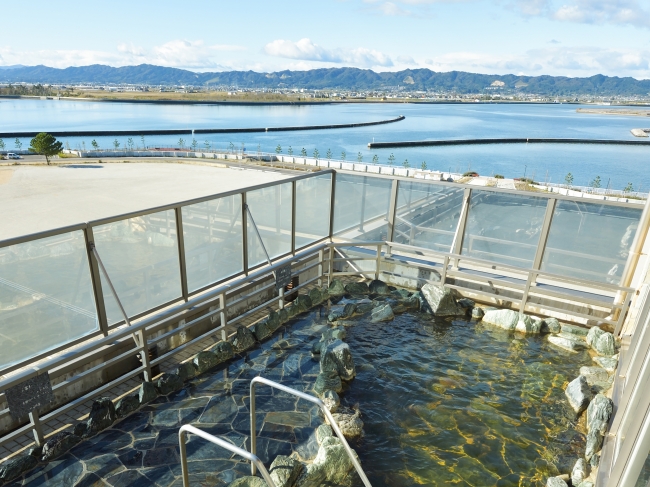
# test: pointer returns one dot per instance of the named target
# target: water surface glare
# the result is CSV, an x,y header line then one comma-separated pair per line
x,y
456,402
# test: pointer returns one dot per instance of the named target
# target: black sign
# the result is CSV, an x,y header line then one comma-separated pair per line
x,y
29,395
283,276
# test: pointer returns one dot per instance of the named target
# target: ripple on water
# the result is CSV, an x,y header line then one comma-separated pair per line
x,y
455,402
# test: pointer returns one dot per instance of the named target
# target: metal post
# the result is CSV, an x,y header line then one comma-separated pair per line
x,y
332,207
457,243
96,280
321,254
222,315
181,251
543,237
392,209
144,354
378,262
330,257
293,218
37,428
253,425
244,232
363,203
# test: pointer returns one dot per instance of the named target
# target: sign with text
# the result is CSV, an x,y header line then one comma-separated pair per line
x,y
29,395
283,276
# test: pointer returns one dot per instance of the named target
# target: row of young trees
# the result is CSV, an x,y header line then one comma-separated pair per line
x,y
329,155
596,183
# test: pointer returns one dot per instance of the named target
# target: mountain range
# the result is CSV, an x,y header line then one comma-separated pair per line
x,y
331,78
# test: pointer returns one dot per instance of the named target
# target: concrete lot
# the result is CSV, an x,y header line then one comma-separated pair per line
x,y
35,198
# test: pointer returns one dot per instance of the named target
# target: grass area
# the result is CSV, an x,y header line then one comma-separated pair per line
x,y
215,96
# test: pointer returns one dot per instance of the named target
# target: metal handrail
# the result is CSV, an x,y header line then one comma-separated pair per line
x,y
251,457
312,399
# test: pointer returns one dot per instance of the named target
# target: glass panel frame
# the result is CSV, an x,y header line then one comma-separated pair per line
x,y
272,212
141,257
508,234
427,215
46,296
589,240
213,240
361,206
313,207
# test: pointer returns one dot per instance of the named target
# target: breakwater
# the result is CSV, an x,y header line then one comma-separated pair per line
x,y
519,140
110,133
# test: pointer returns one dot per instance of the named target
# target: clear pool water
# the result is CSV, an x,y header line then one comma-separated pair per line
x,y
456,402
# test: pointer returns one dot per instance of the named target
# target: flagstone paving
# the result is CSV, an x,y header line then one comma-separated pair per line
x,y
143,449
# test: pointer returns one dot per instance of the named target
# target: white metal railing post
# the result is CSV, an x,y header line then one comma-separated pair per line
x,y
301,395
457,243
321,255
180,237
543,237
223,315
251,457
392,210
244,232
378,261
96,282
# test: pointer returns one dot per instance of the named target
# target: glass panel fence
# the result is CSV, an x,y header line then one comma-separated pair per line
x,y
271,209
46,296
504,227
213,241
141,258
427,215
361,207
313,196
590,241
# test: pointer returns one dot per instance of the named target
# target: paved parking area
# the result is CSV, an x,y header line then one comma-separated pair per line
x,y
35,198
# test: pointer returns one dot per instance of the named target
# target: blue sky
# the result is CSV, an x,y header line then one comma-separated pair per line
x,y
532,37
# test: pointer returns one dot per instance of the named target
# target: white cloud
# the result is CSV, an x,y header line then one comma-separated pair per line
x,y
618,12
306,50
177,53
556,61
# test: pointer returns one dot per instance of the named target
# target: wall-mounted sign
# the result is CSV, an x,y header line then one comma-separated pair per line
x,y
29,395
283,276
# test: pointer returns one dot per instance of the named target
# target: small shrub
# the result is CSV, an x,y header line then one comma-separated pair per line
x,y
498,176
471,174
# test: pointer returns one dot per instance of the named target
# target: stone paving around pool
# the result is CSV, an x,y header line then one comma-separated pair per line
x,y
142,449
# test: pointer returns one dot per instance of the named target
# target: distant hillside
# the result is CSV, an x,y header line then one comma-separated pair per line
x,y
333,78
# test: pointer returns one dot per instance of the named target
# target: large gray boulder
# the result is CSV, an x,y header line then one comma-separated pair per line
x,y
330,467
528,324
551,325
336,356
382,313
579,472
607,363
378,287
593,334
16,466
579,394
594,444
604,344
248,481
168,383
556,482
58,444
336,288
594,375
285,470
243,340
223,351
332,401
127,405
441,300
204,361
478,313
577,331
600,409
261,330
503,318
102,415
303,302
349,423
567,343
328,380
186,371
357,288
147,393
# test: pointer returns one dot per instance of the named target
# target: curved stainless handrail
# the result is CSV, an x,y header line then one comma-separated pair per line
x,y
311,399
251,457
